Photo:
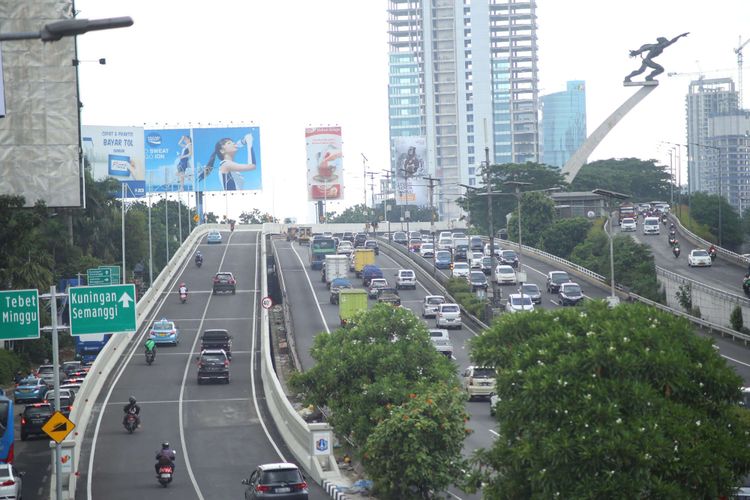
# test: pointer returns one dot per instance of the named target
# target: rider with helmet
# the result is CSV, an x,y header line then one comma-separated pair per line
x,y
132,408
183,288
165,457
198,257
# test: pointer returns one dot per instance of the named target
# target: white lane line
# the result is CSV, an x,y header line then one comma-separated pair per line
x,y
190,292
185,353
168,401
212,319
735,360
307,276
494,433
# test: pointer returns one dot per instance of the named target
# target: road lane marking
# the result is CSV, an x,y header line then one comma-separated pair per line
x,y
168,401
735,360
312,289
493,432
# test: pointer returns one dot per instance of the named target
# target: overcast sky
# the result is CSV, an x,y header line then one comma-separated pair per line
x,y
287,65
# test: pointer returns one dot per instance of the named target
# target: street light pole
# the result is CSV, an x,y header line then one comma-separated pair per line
x,y
518,185
611,195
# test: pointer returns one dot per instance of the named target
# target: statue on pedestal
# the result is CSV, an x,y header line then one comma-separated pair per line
x,y
652,50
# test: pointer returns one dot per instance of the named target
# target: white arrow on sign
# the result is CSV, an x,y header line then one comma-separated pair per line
x,y
126,300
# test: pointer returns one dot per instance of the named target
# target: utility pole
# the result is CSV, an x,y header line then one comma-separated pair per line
x,y
372,186
433,182
488,183
385,201
364,178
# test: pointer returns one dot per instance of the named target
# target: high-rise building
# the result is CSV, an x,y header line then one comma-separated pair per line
x,y
563,123
462,78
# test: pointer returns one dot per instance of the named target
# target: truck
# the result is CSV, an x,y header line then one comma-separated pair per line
x,y
351,302
303,235
89,346
626,209
334,266
360,258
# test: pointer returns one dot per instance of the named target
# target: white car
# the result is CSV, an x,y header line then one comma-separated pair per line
x,y
518,303
461,270
430,305
699,258
11,481
505,275
448,315
476,260
628,224
445,244
427,250
345,248
405,278
498,249
442,341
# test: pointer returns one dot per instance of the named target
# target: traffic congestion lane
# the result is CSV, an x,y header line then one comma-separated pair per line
x,y
215,429
33,457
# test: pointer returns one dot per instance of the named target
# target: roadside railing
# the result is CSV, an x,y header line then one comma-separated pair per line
x,y
700,242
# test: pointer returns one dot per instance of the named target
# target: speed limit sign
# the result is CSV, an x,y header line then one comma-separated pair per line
x,y
267,302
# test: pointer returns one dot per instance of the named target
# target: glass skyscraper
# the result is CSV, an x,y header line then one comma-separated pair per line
x,y
563,123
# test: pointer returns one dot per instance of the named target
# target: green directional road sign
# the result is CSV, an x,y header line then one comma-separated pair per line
x,y
114,274
102,309
19,314
99,276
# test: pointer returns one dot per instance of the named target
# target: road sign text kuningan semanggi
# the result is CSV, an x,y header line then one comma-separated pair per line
x,y
100,298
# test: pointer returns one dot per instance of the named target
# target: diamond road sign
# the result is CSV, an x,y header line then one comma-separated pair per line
x,y
102,309
19,314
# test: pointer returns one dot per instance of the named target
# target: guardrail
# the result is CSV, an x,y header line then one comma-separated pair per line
x,y
700,242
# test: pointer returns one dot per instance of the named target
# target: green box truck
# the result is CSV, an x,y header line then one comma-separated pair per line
x,y
351,301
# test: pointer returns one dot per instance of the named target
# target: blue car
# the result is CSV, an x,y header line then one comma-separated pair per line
x,y
443,259
213,237
369,272
30,390
164,332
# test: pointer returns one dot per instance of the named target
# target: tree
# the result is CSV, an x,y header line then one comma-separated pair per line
x,y
610,403
642,180
735,319
355,214
256,217
537,214
562,236
705,208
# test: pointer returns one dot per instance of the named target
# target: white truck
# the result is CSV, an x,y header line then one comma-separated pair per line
x,y
335,266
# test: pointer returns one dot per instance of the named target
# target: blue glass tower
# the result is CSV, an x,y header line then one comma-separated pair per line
x,y
563,123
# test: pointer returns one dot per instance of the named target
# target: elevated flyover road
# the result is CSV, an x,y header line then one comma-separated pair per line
x,y
219,431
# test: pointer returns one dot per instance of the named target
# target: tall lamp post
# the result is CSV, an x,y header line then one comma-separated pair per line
x,y
611,196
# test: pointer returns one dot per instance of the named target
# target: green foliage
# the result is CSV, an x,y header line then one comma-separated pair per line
x,y
735,319
460,289
358,370
416,448
684,296
707,209
355,214
609,403
10,363
642,180
563,235
256,217
537,214
700,230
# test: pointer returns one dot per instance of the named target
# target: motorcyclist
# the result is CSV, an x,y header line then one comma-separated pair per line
x,y
132,408
676,250
150,346
746,282
165,456
183,289
712,249
198,257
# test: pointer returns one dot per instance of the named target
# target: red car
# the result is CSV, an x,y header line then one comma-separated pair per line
x,y
415,245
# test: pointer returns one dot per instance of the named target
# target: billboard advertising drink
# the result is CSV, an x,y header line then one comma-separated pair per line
x,y
411,189
325,176
227,159
169,160
115,152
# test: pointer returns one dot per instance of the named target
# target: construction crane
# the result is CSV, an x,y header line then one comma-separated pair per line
x,y
738,51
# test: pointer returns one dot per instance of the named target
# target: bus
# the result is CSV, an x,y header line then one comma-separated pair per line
x,y
319,248
6,430
89,346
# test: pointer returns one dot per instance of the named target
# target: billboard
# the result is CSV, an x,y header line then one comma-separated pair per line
x,y
39,136
325,175
170,165
227,159
115,152
411,188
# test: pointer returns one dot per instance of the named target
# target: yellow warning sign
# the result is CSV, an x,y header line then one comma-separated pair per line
x,y
196,218
58,427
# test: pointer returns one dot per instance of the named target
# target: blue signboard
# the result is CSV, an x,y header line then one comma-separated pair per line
x,y
135,189
227,159
169,160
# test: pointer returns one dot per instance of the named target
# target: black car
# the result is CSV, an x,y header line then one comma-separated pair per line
x,y
389,295
478,280
213,364
400,237
279,480
33,418
359,240
509,257
476,244
225,282
555,279
348,236
217,339
570,294
373,245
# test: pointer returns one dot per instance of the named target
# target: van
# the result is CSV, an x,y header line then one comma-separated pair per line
x,y
405,278
651,225
448,316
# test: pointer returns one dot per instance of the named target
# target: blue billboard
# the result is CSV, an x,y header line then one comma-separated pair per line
x,y
169,160
227,159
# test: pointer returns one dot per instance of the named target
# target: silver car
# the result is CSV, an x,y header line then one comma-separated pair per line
x,y
430,305
448,316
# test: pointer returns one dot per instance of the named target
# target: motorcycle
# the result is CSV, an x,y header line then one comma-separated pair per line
x,y
676,252
231,225
746,285
183,297
712,254
672,241
165,474
198,261
131,423
150,356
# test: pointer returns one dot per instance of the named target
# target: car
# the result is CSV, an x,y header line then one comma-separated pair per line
x,y
699,258
486,266
478,280
627,224
49,396
460,270
375,285
214,236
337,285
389,295
405,278
426,238
509,257
476,244
217,338
213,364
30,389
66,405
443,259
33,417
400,238
555,279
345,248
77,374
442,341
359,240
459,236
73,387
74,381
415,235
415,245
445,234
505,275
445,244
369,272
11,481
430,305
498,249
372,244
493,404
327,234
518,303
533,291
475,260
225,282
69,367
427,250
479,381
280,480
745,398
348,236
164,331
448,315
570,294
46,372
